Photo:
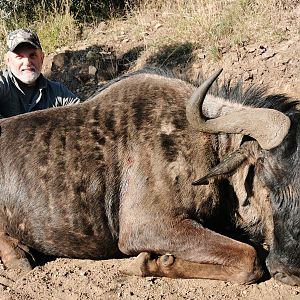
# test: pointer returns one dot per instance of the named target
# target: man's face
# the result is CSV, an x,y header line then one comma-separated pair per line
x,y
25,63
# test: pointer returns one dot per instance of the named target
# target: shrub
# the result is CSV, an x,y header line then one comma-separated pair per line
x,y
82,10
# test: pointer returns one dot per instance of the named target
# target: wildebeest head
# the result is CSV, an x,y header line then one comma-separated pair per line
x,y
274,169
281,173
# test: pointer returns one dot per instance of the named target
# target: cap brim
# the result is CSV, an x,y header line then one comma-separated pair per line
x,y
25,42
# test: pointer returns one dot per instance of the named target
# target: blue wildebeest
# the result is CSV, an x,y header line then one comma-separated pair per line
x,y
113,176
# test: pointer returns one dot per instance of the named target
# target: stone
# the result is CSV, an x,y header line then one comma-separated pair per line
x,y
92,70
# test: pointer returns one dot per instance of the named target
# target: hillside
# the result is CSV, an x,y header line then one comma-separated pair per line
x,y
116,47
106,52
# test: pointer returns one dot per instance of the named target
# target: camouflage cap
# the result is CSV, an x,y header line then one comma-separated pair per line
x,y
20,36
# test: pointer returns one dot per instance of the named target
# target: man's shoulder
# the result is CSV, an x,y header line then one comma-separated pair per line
x,y
4,74
5,80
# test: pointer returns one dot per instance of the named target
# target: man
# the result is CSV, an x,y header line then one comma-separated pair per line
x,y
22,86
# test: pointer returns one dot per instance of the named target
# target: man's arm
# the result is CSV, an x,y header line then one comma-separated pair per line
x,y
4,92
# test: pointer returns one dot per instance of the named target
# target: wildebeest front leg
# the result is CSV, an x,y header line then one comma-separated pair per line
x,y
148,264
195,252
12,254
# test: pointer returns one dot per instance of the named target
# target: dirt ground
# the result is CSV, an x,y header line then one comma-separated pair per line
x,y
70,279
84,68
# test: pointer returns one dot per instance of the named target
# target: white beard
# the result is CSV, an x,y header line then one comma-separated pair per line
x,y
28,78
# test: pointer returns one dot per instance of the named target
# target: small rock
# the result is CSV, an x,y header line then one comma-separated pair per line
x,y
90,55
59,60
152,279
282,67
158,25
251,50
201,55
92,70
247,76
268,54
262,49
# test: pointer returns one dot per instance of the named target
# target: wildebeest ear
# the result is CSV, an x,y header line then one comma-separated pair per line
x,y
226,167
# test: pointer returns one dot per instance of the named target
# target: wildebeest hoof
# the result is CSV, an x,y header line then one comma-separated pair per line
x,y
167,260
143,265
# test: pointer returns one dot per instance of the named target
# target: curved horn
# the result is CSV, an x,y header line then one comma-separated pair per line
x,y
194,105
268,126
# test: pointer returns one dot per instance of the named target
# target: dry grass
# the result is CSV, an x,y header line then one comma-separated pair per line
x,y
56,28
207,24
210,25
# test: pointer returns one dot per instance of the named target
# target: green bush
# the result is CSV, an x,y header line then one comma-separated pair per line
x,y
82,10
85,10
56,21
9,8
52,20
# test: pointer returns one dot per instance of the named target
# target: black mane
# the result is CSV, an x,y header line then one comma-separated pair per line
x,y
256,96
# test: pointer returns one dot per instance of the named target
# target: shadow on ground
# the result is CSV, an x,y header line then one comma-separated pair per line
x,y
84,71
